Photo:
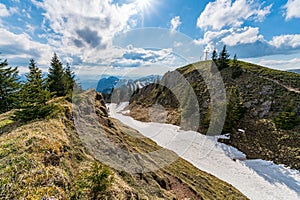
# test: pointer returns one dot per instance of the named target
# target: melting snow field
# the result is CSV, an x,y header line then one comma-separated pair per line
x,y
257,179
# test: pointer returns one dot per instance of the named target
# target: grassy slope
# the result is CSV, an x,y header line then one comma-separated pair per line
x,y
286,78
46,158
263,93
39,159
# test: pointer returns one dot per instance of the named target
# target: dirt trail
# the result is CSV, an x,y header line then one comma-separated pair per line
x,y
285,86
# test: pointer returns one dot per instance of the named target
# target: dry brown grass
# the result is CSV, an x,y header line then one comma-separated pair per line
x,y
46,158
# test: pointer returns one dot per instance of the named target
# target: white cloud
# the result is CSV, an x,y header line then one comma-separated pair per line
x,y
86,28
230,37
30,28
247,42
262,13
175,23
177,44
4,12
13,10
94,73
244,35
137,57
286,41
21,47
134,62
281,64
222,13
292,9
211,37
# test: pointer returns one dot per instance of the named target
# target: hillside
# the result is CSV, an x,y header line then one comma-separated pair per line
x,y
257,179
262,107
48,159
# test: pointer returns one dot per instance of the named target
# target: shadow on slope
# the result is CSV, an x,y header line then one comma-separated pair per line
x,y
275,174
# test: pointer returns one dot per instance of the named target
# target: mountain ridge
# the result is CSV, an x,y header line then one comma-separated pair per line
x,y
107,84
47,159
295,71
256,103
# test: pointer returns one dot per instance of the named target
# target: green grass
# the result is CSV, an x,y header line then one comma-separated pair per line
x,y
286,78
6,119
6,122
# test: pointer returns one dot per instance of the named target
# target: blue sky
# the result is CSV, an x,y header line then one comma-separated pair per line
x,y
140,37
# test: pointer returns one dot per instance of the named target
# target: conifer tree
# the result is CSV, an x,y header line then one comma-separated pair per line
x,y
33,96
214,56
56,77
236,68
223,61
34,89
9,86
235,61
35,74
235,110
69,79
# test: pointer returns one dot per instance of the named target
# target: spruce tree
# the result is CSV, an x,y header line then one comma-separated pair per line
x,y
235,110
69,79
235,61
214,56
33,96
34,88
56,77
223,61
9,86
34,76
236,68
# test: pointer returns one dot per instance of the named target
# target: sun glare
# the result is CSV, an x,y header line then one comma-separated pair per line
x,y
143,3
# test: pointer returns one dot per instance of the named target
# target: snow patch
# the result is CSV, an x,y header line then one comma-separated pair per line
x,y
257,179
241,130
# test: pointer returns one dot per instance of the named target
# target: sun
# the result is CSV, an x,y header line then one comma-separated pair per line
x,y
145,8
143,4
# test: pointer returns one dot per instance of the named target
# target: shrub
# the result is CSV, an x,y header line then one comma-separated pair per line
x,y
34,112
286,120
93,183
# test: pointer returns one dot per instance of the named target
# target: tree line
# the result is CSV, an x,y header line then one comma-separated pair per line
x,y
30,97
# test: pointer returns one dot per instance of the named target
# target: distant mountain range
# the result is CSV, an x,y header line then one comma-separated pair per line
x,y
295,70
105,85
